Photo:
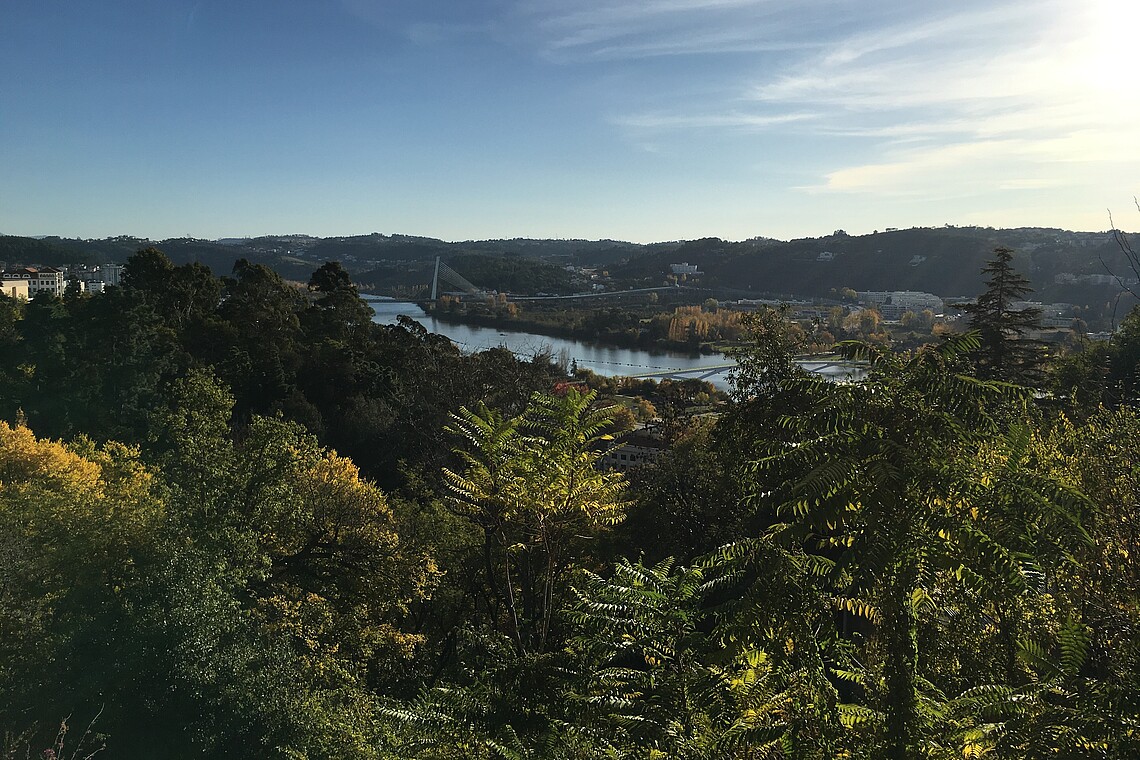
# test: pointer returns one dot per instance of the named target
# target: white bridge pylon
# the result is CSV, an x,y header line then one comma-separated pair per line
x,y
451,277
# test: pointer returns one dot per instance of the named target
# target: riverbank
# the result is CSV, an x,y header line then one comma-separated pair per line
x,y
606,360
624,327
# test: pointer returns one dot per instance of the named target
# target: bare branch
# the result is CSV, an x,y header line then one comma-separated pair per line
x,y
1130,256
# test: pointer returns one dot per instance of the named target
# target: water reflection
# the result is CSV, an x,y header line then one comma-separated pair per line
x,y
604,360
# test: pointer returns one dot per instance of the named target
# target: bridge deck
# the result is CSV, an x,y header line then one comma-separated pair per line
x,y
815,366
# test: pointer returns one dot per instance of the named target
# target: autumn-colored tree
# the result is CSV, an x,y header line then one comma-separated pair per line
x,y
80,525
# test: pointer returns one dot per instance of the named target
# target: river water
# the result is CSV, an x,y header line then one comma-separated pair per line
x,y
604,360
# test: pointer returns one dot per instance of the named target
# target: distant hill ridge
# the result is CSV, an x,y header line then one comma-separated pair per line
x,y
945,261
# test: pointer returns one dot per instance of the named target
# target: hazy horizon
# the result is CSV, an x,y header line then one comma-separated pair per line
x,y
452,241
633,120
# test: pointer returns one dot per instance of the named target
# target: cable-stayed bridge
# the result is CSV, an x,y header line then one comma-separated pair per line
x,y
451,277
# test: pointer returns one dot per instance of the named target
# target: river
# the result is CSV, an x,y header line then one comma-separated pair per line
x,y
604,360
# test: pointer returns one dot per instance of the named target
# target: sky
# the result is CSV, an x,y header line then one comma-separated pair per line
x,y
639,120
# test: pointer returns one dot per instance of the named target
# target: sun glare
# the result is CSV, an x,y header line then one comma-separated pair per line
x,y
1109,60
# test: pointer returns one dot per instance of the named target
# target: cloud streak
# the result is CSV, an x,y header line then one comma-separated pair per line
x,y
633,30
1018,94
711,121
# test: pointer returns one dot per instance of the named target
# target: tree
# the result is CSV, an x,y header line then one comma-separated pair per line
x,y
79,523
873,479
1005,353
148,270
1103,372
644,643
688,503
529,483
768,359
532,486
282,584
338,311
919,321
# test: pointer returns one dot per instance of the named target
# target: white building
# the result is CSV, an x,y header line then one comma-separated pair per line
x,y
1052,315
638,447
39,279
892,304
95,278
112,273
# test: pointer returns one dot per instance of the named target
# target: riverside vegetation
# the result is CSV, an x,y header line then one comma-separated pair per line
x,y
242,520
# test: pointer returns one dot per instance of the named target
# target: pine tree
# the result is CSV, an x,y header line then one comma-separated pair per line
x,y
1005,353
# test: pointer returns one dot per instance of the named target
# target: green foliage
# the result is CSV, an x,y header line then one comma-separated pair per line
x,y
1005,353
1063,711
916,565
232,599
101,364
80,526
690,502
513,274
776,623
647,687
1103,372
875,480
531,484
769,358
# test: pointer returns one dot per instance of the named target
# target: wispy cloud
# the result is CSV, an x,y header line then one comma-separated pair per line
x,y
430,22
914,171
710,121
1018,94
1047,101
877,98
632,29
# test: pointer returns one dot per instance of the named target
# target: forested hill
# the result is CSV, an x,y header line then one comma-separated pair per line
x,y
287,252
945,261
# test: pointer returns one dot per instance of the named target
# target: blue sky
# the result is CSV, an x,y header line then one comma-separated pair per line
x,y
646,121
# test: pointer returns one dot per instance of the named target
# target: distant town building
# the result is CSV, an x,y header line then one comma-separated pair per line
x,y
38,279
753,304
14,287
1053,315
825,256
892,304
1068,278
112,273
95,278
684,268
638,447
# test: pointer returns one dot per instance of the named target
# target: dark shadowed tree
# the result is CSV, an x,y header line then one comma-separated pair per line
x,y
1005,353
337,309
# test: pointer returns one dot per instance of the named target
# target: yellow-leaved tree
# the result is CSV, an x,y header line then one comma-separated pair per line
x,y
79,524
240,596
290,578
